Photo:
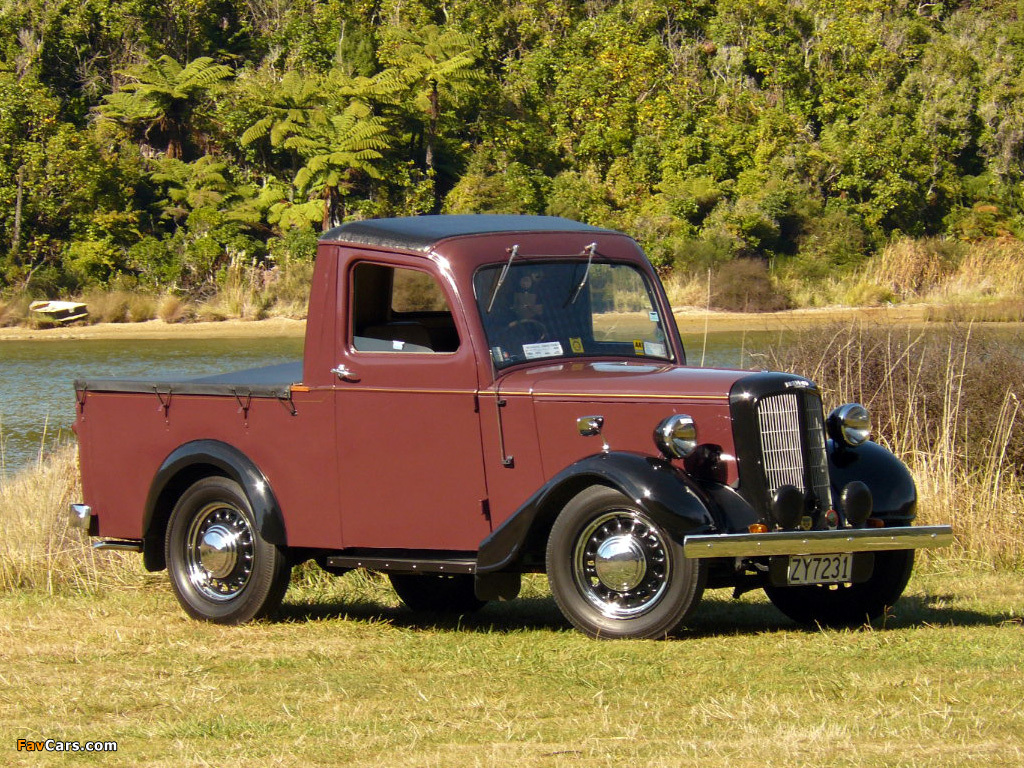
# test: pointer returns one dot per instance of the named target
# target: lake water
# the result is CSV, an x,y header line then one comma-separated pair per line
x,y
37,399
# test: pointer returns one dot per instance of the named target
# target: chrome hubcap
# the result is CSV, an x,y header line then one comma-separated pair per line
x,y
219,551
621,564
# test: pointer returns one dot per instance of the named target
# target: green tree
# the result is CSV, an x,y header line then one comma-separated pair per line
x,y
161,99
337,148
435,64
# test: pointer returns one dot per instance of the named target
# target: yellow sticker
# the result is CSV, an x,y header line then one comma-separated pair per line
x,y
576,344
638,346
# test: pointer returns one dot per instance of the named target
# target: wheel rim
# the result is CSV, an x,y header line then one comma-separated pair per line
x,y
219,551
621,564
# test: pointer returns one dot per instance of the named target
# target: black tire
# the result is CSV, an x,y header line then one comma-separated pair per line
x,y
848,605
221,569
640,586
437,592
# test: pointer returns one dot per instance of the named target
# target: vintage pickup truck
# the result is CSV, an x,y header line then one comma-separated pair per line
x,y
486,396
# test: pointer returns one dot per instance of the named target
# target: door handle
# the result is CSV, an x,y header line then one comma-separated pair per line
x,y
343,373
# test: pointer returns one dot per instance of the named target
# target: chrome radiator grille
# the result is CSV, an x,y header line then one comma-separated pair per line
x,y
788,458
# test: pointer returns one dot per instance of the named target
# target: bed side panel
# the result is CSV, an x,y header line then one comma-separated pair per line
x,y
124,438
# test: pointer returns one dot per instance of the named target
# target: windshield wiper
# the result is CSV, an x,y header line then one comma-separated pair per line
x,y
589,250
513,252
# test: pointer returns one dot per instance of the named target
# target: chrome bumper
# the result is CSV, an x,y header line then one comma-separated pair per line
x,y
129,545
816,542
80,516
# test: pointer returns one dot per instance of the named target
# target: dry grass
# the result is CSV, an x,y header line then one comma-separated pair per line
x,y
14,311
339,679
913,267
244,293
173,309
982,281
345,676
741,285
38,551
120,306
961,281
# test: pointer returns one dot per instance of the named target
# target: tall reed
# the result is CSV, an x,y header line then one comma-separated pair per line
x,y
950,403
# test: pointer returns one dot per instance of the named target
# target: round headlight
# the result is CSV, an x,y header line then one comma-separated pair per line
x,y
850,424
676,436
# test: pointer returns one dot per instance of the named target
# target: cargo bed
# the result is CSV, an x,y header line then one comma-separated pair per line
x,y
269,381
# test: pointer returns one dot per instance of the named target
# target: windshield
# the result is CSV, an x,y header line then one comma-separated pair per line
x,y
549,309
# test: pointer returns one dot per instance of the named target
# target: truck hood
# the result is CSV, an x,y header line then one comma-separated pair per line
x,y
626,380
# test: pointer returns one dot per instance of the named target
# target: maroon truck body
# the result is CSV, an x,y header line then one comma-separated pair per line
x,y
445,442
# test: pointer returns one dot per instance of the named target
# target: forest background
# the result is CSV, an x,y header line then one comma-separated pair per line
x,y
766,154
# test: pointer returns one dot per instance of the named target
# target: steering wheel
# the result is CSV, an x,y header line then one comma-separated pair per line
x,y
529,329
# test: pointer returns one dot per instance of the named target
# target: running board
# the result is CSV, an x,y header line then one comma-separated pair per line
x,y
403,564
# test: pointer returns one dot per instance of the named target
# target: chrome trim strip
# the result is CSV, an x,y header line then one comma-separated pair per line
x,y
80,515
817,542
121,546
640,397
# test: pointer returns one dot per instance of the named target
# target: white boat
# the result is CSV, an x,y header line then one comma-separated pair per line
x,y
60,311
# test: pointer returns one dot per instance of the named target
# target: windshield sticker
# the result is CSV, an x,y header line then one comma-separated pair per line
x,y
655,349
654,317
500,355
542,349
638,346
576,344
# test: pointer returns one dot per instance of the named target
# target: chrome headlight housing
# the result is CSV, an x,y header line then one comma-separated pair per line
x,y
676,436
850,424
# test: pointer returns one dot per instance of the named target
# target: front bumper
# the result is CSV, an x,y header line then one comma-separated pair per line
x,y
816,542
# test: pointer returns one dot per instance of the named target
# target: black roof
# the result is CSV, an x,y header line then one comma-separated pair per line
x,y
421,233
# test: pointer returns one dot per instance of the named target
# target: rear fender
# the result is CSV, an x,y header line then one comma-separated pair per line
x,y
194,461
661,490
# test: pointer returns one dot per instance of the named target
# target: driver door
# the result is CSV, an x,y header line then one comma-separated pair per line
x,y
409,452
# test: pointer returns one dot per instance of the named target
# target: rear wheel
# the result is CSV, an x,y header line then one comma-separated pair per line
x,y
437,592
848,605
615,572
221,569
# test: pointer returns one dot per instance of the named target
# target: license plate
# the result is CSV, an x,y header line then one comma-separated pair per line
x,y
820,569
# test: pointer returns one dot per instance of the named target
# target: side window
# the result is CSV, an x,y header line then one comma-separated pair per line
x,y
400,310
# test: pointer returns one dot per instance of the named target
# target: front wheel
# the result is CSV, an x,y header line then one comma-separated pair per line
x,y
848,605
221,569
615,572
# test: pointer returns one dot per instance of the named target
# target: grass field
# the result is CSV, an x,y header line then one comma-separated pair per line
x,y
94,649
345,677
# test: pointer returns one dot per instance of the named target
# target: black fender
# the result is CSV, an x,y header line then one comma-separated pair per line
x,y
191,462
893,491
658,488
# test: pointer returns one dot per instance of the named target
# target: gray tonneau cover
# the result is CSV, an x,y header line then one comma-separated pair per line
x,y
270,381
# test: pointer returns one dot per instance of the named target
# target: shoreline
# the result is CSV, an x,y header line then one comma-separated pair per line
x,y
274,327
690,320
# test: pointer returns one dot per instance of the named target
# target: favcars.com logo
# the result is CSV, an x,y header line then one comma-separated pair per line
x,y
52,745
